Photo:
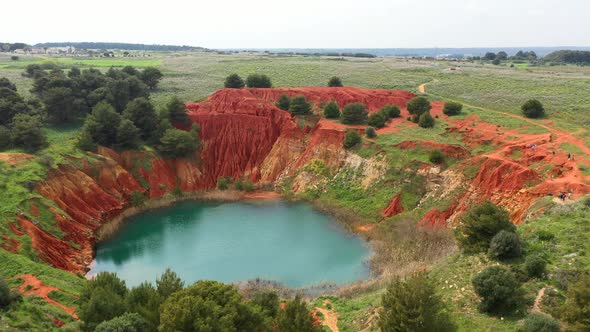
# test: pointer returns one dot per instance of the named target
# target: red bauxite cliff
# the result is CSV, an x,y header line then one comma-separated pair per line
x,y
243,133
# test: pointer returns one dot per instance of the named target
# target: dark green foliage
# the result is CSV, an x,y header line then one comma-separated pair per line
x,y
27,132
5,83
335,82
7,296
351,139
143,115
102,124
151,76
5,139
436,157
85,142
505,245
130,70
145,300
370,132
489,56
268,301
502,56
234,81
295,317
392,111
498,288
102,299
74,72
128,135
576,310
176,143
11,104
496,62
480,224
418,106
331,110
377,120
568,56
138,198
452,108
258,81
355,113
208,306
129,322
426,120
223,183
284,102
413,305
248,186
177,112
533,109
169,283
239,185
299,106
535,266
538,322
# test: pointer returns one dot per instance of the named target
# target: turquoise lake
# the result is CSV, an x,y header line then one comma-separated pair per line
x,y
290,243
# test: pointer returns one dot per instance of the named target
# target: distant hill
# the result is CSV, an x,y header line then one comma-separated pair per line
x,y
418,52
569,56
122,46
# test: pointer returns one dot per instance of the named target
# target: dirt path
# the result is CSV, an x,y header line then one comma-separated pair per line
x,y
422,88
538,299
37,288
330,318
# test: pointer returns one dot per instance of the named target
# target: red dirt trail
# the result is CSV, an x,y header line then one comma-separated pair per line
x,y
37,288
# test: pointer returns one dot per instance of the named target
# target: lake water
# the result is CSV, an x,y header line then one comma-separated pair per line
x,y
290,243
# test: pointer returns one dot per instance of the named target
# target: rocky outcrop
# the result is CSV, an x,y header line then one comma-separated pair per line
x,y
395,207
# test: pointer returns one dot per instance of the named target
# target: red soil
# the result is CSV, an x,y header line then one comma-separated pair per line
x,y
394,208
37,288
14,159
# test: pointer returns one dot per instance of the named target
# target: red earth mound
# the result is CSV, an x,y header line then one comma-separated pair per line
x,y
395,207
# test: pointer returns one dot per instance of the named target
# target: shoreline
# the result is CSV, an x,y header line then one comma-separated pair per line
x,y
350,222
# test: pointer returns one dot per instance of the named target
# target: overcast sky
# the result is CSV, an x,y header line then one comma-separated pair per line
x,y
302,23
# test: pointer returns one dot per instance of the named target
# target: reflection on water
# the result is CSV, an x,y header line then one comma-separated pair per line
x,y
289,243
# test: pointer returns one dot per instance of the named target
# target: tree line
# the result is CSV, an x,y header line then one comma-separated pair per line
x,y
108,305
114,106
568,56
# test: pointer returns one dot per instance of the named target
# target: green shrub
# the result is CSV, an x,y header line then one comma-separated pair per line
x,y
300,106
436,157
505,245
5,140
332,111
417,107
7,296
426,120
392,111
370,132
234,81
377,120
258,81
533,109
480,224
239,185
498,288
209,306
452,108
335,82
355,113
295,317
351,139
128,322
576,309
248,186
284,102
535,266
176,143
223,183
138,198
537,322
413,305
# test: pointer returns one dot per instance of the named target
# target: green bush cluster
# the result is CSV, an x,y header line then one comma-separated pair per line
x,y
354,113
107,305
351,138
